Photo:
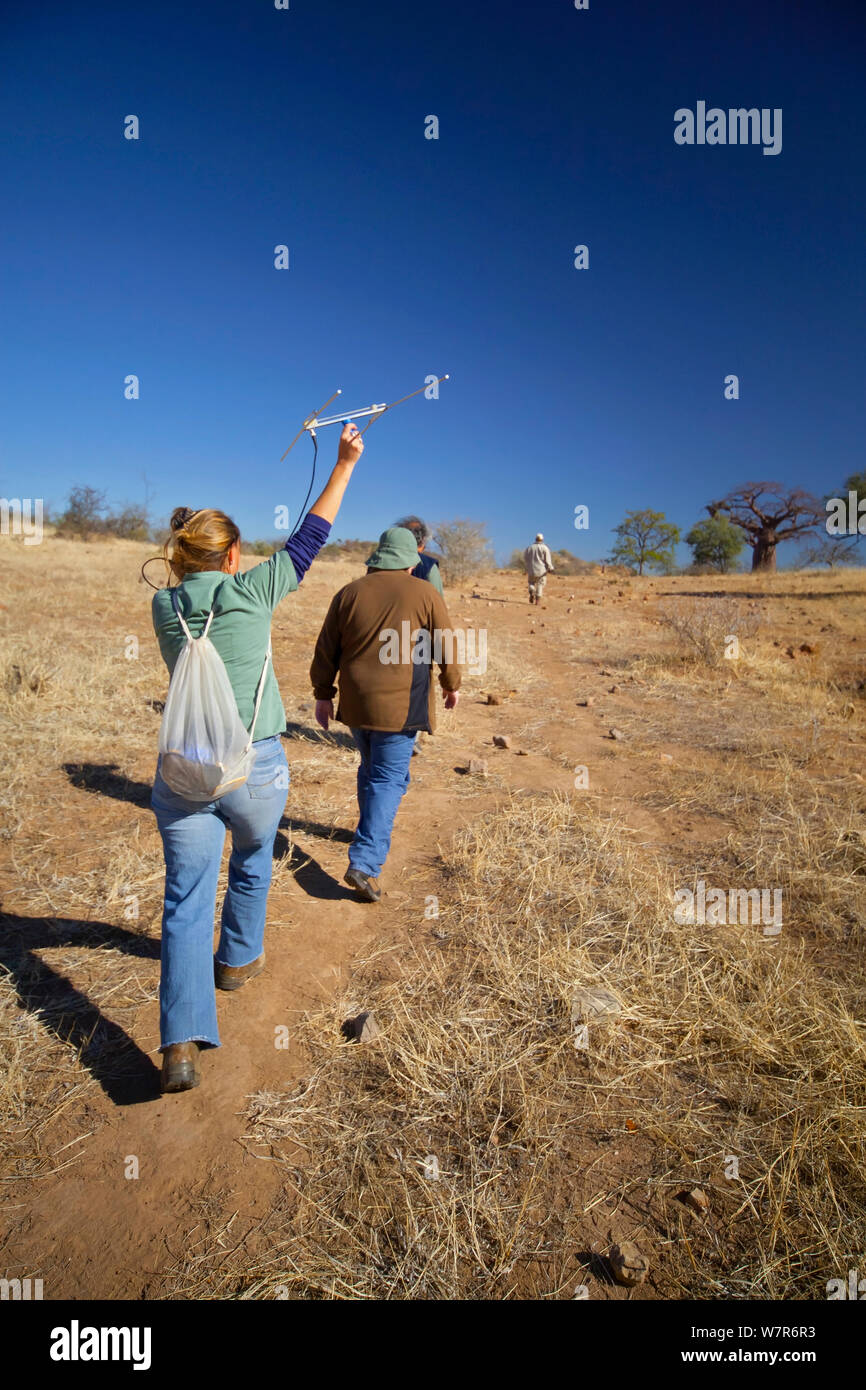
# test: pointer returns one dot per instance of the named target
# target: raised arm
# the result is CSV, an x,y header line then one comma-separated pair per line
x,y
287,567
351,448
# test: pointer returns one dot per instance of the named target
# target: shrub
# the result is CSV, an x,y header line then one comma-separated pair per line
x,y
703,625
465,548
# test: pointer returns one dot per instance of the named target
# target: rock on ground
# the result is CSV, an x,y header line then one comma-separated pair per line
x,y
362,1029
629,1266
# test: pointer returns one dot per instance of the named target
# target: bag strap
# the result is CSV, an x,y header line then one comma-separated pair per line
x,y
260,689
180,618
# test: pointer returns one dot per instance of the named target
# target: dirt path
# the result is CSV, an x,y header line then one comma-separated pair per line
x,y
90,1231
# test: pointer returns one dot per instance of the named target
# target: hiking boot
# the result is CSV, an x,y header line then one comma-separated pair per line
x,y
233,976
363,884
181,1069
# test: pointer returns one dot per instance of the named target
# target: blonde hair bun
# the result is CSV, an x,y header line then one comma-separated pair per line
x,y
180,516
200,540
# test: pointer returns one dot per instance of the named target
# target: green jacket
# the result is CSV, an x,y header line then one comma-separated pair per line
x,y
435,578
428,569
240,630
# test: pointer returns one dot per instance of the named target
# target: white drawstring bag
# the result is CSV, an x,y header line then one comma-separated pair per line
x,y
204,748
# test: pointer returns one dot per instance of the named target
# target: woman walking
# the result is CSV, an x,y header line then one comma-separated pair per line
x,y
205,558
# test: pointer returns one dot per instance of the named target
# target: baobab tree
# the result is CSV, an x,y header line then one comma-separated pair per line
x,y
769,513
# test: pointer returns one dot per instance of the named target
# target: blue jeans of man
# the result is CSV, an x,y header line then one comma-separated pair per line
x,y
383,778
193,834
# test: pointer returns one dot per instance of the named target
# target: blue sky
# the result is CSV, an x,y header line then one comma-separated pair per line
x,y
411,257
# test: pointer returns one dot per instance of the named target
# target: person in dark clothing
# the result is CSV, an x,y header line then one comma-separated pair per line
x,y
426,568
381,635
428,565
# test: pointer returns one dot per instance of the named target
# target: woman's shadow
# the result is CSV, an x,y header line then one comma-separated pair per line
x,y
106,779
126,1074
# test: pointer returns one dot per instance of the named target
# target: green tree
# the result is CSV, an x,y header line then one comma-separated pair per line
x,y
645,538
834,546
715,542
856,483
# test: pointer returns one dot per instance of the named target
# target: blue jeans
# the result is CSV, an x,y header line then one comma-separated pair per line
x,y
383,779
193,834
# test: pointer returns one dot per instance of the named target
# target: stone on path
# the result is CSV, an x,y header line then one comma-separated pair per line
x,y
362,1029
696,1199
629,1266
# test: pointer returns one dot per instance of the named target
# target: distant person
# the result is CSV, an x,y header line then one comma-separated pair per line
x,y
428,565
205,558
426,568
539,564
370,638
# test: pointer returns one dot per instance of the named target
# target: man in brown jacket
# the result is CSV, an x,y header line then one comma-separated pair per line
x,y
381,634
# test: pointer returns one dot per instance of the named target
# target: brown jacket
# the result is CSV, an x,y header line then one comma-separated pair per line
x,y
369,636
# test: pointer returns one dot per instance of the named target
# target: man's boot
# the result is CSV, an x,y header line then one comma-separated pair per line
x,y
365,884
233,976
181,1069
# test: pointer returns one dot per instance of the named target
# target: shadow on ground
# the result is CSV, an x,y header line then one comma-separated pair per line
x,y
106,779
309,875
310,734
126,1074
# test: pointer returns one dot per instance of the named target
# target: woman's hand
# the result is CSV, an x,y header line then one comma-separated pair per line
x,y
324,713
351,445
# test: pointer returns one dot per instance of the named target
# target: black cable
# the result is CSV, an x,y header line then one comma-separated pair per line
x,y
153,559
310,488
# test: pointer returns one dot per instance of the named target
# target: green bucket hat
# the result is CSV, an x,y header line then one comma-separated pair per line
x,y
397,550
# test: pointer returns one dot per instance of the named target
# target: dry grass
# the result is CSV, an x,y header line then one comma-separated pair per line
x,y
708,629
730,1045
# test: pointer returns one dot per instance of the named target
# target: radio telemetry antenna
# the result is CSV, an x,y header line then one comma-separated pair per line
x,y
318,421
